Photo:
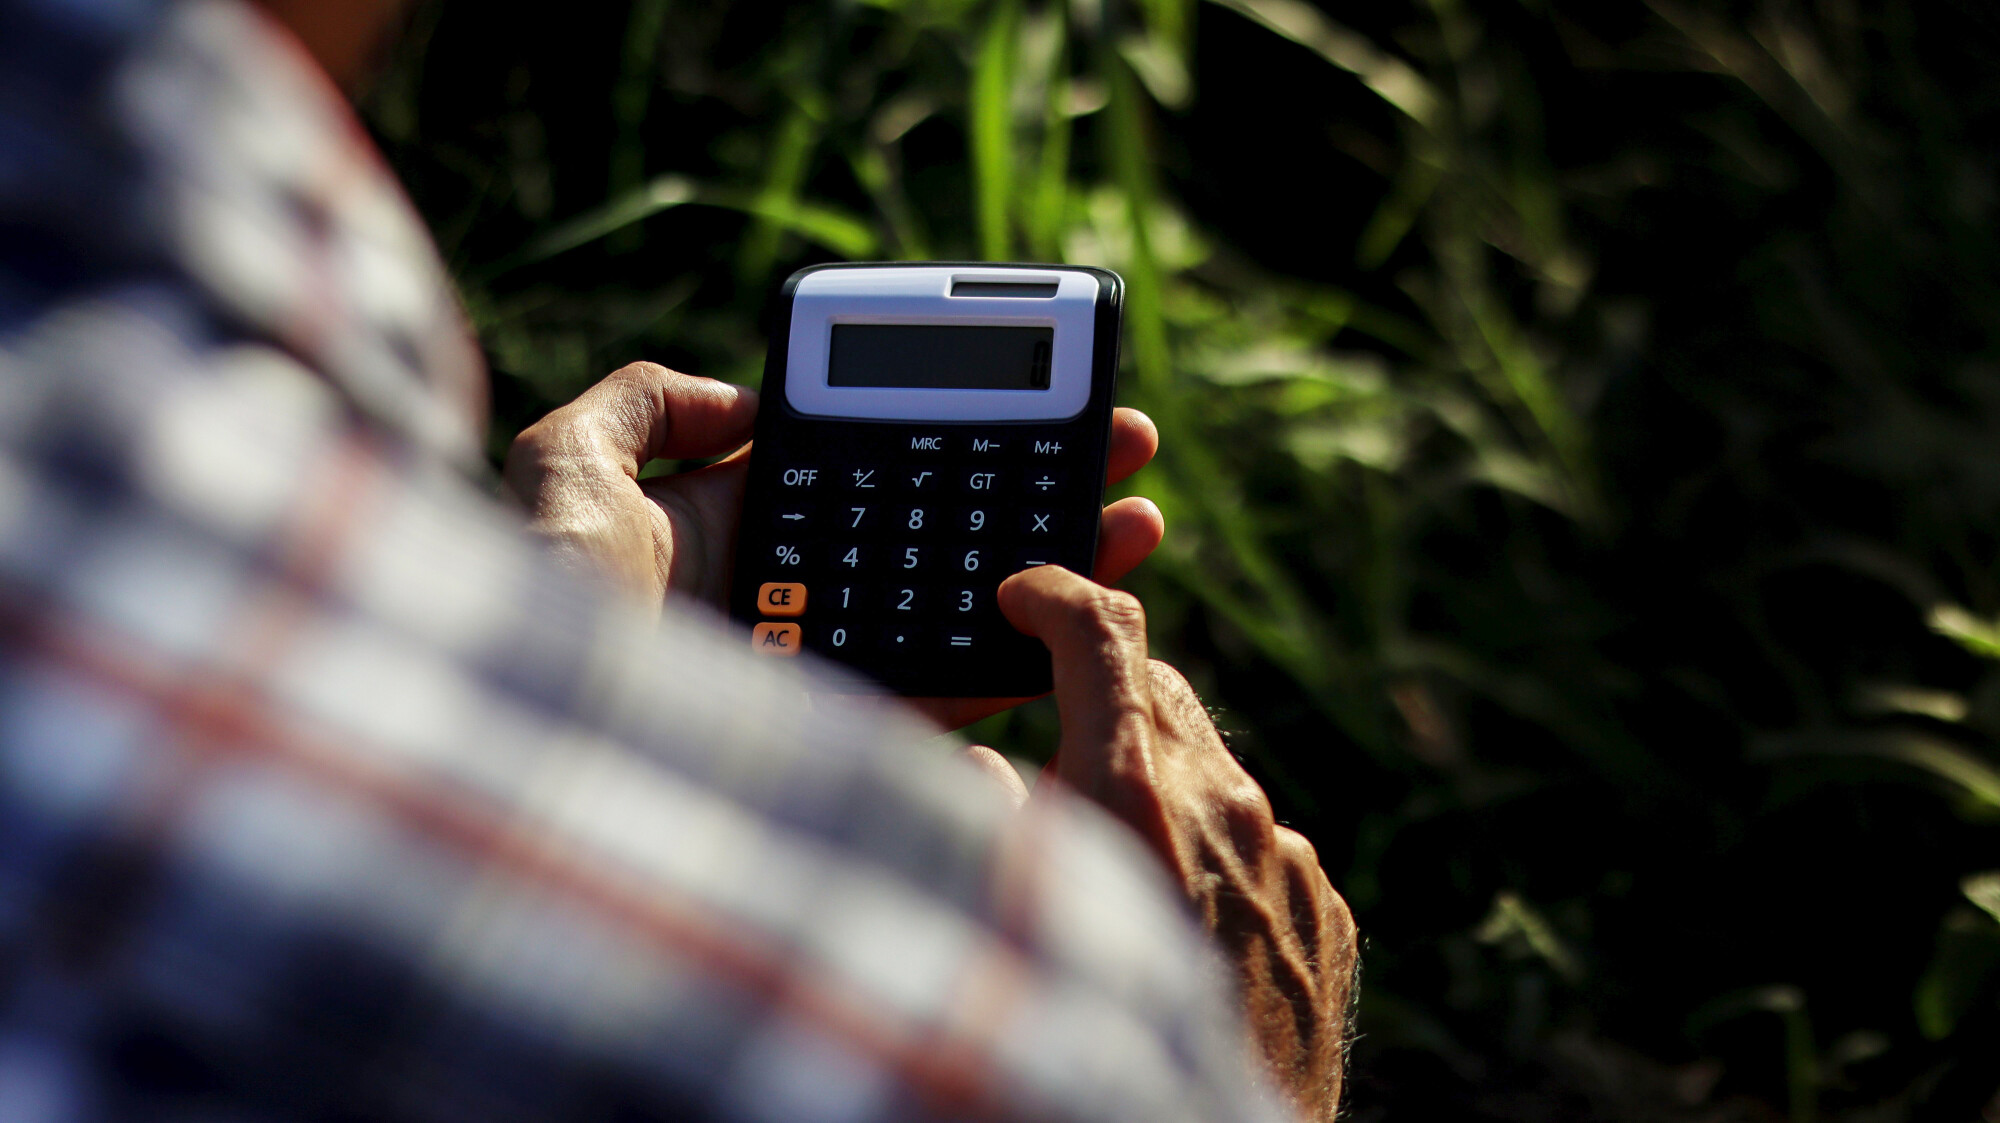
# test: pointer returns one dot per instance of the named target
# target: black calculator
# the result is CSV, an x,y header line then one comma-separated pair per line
x,y
927,430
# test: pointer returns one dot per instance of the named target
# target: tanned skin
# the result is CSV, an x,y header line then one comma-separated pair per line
x,y
346,37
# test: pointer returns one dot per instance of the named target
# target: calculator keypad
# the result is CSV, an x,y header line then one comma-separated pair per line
x,y
883,545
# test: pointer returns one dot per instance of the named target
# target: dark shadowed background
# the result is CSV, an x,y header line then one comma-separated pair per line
x,y
1581,453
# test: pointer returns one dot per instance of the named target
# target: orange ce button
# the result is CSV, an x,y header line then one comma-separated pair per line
x,y
775,639
781,598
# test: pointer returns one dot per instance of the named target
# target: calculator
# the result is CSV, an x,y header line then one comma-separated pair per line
x,y
927,430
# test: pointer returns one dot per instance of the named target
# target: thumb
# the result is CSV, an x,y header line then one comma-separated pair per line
x,y
996,770
643,411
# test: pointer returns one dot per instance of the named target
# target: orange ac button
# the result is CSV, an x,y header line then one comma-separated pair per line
x,y
775,639
781,598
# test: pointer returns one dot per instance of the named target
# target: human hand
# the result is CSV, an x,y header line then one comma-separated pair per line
x,y
1136,740
577,471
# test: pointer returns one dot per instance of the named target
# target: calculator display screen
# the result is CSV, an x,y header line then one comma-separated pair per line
x,y
940,356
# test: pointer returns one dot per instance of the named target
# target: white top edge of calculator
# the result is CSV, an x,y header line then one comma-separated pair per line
x,y
922,295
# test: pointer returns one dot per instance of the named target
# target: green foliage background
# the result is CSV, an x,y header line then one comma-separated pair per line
x,y
1581,455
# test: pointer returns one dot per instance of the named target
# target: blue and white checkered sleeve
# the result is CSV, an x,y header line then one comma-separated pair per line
x,y
322,791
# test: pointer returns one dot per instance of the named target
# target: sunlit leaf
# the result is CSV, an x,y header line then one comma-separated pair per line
x,y
1272,361
1159,67
1942,705
1983,889
1370,445
1981,637
1391,79
1513,918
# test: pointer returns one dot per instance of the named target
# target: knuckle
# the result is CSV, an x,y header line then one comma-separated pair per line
x,y
1116,614
1297,850
539,444
648,373
1182,714
1342,914
1248,808
1338,918
530,443
1320,912
1169,682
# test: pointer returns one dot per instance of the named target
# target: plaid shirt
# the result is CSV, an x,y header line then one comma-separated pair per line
x,y
323,793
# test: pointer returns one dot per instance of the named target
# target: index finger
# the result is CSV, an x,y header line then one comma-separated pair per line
x,y
1097,642
1134,440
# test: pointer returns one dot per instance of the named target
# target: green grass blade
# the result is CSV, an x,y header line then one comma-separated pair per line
x,y
1973,777
1529,381
1389,77
1048,202
836,230
874,172
1145,311
1397,214
790,155
661,194
991,128
631,96
1981,637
